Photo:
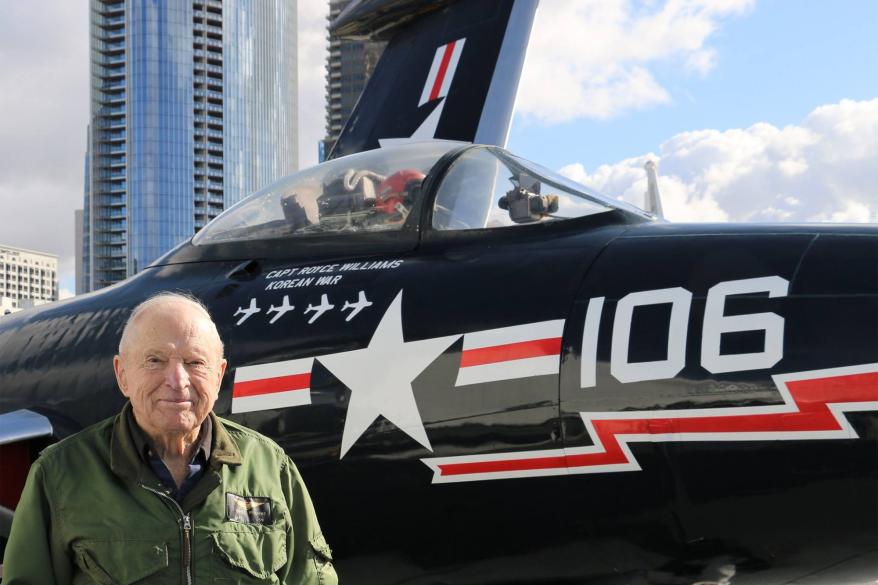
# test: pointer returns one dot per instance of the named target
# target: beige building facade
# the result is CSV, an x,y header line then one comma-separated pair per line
x,y
27,278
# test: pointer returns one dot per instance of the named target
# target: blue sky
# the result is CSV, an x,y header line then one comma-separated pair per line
x,y
754,110
775,63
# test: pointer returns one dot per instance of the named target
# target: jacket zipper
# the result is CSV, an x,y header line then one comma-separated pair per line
x,y
187,547
185,533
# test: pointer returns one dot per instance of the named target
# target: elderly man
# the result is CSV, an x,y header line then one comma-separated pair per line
x,y
166,492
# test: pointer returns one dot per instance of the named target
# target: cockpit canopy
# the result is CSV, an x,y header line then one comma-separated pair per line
x,y
476,187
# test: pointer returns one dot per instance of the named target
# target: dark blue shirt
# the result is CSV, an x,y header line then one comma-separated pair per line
x,y
197,465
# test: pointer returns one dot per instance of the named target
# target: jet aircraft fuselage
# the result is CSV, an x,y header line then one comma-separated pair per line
x,y
489,374
585,399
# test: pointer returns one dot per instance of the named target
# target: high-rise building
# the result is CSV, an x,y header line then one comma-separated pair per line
x,y
193,107
27,278
77,260
83,242
348,67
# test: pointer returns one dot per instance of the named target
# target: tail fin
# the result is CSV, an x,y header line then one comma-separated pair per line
x,y
449,74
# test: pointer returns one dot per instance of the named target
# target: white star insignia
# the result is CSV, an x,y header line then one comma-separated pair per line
x,y
380,378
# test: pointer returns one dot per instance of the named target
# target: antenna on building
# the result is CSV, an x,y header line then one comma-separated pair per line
x,y
652,198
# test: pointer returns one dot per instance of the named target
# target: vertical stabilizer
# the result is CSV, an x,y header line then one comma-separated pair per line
x,y
449,72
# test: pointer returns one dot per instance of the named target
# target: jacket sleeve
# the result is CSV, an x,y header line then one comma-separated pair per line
x,y
34,553
309,558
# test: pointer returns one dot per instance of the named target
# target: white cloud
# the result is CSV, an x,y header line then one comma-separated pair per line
x,y
44,104
312,91
589,58
65,293
820,170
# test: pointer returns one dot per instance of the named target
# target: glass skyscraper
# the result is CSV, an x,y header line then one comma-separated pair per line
x,y
349,64
193,107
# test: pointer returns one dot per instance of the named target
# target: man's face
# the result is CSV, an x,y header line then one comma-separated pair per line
x,y
170,368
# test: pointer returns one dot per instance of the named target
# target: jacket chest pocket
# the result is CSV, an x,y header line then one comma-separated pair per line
x,y
248,556
118,562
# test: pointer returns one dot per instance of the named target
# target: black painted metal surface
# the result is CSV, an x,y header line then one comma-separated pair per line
x,y
698,509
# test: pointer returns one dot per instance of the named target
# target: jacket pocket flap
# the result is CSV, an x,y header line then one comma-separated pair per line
x,y
120,561
258,553
321,547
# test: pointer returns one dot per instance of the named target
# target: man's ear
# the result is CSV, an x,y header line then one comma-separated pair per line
x,y
222,370
120,375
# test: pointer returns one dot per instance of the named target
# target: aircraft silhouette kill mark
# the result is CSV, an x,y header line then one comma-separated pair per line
x,y
284,308
361,303
318,310
247,312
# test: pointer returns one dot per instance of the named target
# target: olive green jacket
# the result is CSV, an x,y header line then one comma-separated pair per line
x,y
93,512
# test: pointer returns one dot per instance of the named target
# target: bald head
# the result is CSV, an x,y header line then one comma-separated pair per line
x,y
170,366
169,302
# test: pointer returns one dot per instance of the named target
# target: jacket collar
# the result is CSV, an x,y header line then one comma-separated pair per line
x,y
224,450
127,463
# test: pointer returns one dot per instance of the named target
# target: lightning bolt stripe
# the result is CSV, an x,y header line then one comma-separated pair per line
x,y
814,405
508,353
275,385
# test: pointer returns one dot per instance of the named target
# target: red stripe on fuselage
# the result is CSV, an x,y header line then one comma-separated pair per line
x,y
443,69
272,385
510,351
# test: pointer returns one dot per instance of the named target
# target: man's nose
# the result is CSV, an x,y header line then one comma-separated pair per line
x,y
176,375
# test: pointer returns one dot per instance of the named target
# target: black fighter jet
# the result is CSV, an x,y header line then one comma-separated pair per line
x,y
490,374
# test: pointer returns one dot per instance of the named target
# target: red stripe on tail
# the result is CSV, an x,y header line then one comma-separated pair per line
x,y
443,69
